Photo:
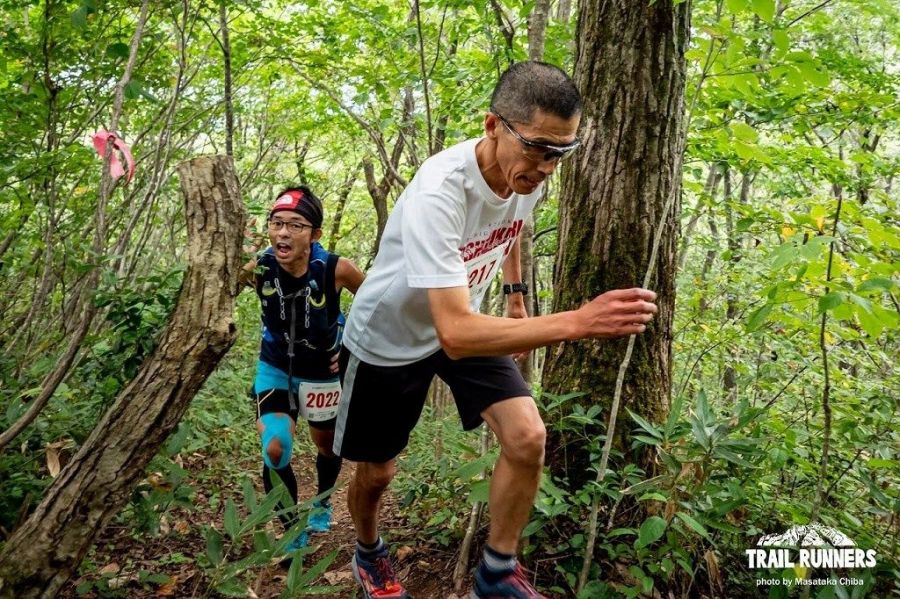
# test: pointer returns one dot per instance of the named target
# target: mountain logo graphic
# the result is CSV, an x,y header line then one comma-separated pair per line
x,y
809,535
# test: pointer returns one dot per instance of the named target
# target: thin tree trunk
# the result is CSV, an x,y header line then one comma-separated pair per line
x,y
465,548
537,25
41,556
424,74
226,56
52,381
343,196
163,149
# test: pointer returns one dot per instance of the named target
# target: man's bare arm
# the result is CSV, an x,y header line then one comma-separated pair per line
x,y
464,333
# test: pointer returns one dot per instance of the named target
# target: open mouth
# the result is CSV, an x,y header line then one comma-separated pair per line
x,y
283,250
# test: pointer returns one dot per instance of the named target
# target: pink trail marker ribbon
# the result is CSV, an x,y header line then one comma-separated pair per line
x,y
103,137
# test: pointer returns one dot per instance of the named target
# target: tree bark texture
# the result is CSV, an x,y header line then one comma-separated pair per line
x,y
630,69
44,552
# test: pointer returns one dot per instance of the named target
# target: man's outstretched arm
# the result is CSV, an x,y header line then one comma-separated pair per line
x,y
464,333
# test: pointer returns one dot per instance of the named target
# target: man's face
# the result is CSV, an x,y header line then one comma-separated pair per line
x,y
523,163
291,236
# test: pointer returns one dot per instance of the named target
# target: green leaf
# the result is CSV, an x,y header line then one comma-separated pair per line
x,y
650,532
479,491
476,467
79,18
813,74
744,132
736,6
317,569
744,223
674,414
870,323
644,424
117,50
232,587
830,301
693,524
781,40
232,524
618,532
875,283
214,546
249,494
765,9
758,317
133,90
882,463
644,485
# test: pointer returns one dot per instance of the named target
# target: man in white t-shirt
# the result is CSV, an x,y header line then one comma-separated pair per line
x,y
416,316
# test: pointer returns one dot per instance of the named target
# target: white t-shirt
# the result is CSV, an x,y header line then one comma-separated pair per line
x,y
447,229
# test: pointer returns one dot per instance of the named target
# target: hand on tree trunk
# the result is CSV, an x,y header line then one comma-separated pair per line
x,y
617,313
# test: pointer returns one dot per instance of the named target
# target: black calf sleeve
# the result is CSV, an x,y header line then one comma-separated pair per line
x,y
287,477
328,468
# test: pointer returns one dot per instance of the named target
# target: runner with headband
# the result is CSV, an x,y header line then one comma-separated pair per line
x,y
299,284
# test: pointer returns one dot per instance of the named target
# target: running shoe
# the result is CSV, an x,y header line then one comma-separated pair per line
x,y
301,541
514,585
376,577
319,517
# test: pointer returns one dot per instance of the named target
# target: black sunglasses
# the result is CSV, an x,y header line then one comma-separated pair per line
x,y
536,150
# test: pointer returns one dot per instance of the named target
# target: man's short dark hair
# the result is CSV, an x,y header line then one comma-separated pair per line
x,y
527,86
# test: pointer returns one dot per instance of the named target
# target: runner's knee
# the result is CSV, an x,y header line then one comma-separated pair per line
x,y
277,440
274,451
525,446
376,476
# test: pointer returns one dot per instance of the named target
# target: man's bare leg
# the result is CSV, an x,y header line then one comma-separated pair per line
x,y
364,497
517,473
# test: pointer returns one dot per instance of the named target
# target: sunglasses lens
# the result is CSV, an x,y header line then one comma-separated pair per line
x,y
554,155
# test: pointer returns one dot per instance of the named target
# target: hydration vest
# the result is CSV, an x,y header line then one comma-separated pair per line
x,y
301,318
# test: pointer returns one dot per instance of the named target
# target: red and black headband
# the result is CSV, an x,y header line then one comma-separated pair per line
x,y
302,202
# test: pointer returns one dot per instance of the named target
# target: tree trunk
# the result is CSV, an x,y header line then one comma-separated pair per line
x,y
343,196
537,25
226,63
630,69
44,553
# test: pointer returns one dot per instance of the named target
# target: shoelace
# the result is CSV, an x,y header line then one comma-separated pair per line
x,y
386,574
521,575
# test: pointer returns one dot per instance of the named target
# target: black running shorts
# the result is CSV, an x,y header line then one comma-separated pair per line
x,y
380,405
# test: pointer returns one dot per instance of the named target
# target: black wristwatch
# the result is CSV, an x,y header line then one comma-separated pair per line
x,y
516,288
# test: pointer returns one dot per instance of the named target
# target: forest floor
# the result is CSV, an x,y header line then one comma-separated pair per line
x,y
126,563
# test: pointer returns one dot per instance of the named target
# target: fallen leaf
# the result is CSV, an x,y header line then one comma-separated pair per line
x,y
112,568
336,577
404,552
182,527
121,581
168,589
52,461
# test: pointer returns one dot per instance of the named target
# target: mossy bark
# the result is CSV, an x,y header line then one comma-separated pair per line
x,y
630,69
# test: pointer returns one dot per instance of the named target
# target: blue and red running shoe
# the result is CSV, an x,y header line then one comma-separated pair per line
x,y
514,585
376,576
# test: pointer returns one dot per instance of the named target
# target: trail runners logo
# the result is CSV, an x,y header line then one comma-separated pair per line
x,y
803,548
810,546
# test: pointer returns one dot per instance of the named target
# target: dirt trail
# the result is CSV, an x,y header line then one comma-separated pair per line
x,y
127,559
